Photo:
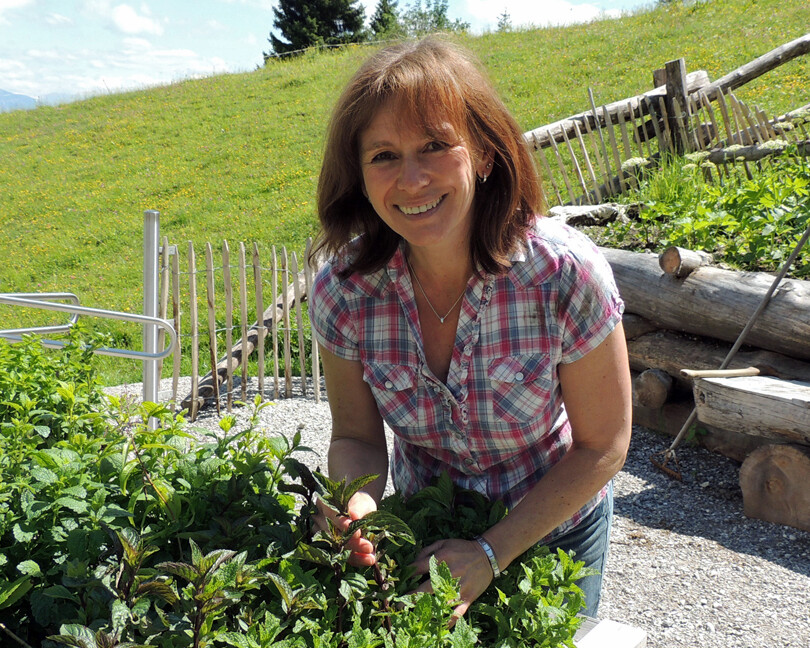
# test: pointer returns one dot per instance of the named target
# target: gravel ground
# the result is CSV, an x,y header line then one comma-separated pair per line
x,y
686,565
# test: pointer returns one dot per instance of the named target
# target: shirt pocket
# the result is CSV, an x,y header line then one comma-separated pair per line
x,y
395,391
521,386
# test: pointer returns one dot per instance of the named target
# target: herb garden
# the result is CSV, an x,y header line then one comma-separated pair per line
x,y
113,534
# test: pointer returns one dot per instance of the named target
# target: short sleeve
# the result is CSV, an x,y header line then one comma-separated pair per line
x,y
589,303
330,315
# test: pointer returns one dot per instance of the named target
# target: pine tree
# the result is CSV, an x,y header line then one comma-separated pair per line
x,y
385,21
304,23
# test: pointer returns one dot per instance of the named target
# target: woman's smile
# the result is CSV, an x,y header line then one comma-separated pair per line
x,y
420,209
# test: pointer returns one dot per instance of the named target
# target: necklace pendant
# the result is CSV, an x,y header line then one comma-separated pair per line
x,y
441,320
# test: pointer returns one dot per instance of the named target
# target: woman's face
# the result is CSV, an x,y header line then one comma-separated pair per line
x,y
421,184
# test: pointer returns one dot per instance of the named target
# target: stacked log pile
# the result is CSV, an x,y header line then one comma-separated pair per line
x,y
682,316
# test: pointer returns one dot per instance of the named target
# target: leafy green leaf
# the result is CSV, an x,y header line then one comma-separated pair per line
x,y
29,568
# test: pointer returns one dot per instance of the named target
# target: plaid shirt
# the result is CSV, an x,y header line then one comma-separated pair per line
x,y
498,423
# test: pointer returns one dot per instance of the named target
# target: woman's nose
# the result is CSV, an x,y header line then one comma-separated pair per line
x,y
412,174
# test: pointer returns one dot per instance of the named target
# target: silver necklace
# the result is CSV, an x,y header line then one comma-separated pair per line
x,y
424,294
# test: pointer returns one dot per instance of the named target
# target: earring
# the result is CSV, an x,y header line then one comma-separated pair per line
x,y
482,179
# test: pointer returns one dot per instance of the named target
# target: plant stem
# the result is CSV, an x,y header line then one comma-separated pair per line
x,y
14,636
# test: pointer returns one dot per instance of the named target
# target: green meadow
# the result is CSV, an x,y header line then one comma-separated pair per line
x,y
236,156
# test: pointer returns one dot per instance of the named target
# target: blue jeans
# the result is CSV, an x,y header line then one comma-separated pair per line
x,y
589,541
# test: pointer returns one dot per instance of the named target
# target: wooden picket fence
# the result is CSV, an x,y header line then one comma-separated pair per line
x,y
223,297
597,154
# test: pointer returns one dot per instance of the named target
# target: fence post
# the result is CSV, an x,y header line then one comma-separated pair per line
x,y
676,96
151,240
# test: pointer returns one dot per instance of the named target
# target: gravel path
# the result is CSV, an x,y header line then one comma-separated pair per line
x,y
686,565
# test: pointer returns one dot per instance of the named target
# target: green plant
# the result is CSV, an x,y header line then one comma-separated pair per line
x,y
128,535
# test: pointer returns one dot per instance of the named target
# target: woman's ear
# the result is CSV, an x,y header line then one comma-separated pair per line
x,y
483,168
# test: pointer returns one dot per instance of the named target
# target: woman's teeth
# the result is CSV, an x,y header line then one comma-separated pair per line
x,y
421,209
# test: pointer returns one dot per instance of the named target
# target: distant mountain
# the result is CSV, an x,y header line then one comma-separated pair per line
x,y
10,101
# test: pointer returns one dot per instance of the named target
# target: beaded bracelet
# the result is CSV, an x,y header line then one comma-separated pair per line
x,y
493,562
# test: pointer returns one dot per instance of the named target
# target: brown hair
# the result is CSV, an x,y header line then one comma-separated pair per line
x,y
432,81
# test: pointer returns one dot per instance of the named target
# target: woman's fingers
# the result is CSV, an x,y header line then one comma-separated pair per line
x,y
358,507
466,562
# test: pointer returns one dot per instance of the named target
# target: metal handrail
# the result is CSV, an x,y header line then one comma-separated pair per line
x,y
44,330
27,300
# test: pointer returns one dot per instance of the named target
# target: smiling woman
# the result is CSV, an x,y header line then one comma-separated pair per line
x,y
506,368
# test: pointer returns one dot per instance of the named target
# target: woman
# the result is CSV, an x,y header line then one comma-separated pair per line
x,y
487,338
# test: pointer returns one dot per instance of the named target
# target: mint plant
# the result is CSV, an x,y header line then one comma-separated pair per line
x,y
113,535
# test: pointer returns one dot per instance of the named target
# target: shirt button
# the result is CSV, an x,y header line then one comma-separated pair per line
x,y
389,384
469,462
519,376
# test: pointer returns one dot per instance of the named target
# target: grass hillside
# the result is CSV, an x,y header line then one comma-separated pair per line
x,y
236,156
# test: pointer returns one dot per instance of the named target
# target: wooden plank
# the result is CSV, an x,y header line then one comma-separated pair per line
x,y
675,100
666,125
605,157
243,313
195,338
261,329
212,317
656,127
299,322
636,135
163,304
586,157
577,168
176,320
285,273
757,405
712,118
226,275
316,361
548,174
563,171
274,325
616,157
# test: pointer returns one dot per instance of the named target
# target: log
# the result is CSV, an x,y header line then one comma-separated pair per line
x,y
756,405
672,352
588,215
714,302
207,387
679,262
652,388
635,326
756,152
758,66
773,480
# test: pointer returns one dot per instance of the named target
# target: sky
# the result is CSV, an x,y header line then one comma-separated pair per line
x,y
82,48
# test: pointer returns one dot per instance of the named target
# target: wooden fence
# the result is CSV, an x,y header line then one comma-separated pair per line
x,y
594,155
225,298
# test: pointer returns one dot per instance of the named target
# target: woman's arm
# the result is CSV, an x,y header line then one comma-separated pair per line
x,y
597,394
358,445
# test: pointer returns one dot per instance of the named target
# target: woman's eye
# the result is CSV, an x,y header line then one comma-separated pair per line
x,y
436,146
383,156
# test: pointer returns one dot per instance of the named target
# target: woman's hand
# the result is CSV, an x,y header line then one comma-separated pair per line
x,y
360,505
467,562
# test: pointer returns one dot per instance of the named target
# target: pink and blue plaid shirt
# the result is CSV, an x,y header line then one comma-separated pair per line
x,y
498,423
